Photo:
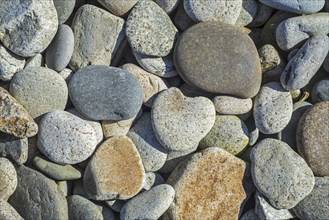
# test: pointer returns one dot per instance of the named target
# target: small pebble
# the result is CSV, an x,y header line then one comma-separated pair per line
x,y
8,178
230,105
181,19
269,58
16,148
117,128
320,91
118,7
35,61
10,64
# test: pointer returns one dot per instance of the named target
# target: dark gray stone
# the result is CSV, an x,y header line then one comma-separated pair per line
x,y
218,58
262,15
17,148
106,93
64,9
320,91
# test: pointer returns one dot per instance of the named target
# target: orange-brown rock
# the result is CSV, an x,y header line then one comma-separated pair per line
x,y
115,171
208,186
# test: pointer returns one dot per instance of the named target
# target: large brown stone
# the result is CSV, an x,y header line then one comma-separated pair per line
x,y
208,186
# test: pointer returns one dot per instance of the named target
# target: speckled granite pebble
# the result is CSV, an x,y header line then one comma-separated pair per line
x,y
10,64
7,212
247,13
8,178
230,105
118,7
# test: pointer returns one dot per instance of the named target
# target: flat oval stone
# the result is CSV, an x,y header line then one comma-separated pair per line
x,y
180,122
305,64
118,7
284,167
230,105
228,133
65,138
10,64
7,212
40,90
106,93
213,10
320,91
115,171
96,34
210,172
313,139
42,197
149,29
8,178
292,32
60,50
272,108
153,154
27,28
150,204
228,60
298,7
64,9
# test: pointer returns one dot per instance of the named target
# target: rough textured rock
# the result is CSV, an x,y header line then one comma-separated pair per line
x,y
115,171
150,204
228,133
226,56
96,34
149,29
230,105
298,7
272,108
41,196
27,28
10,64
118,7
287,179
180,122
8,178
7,212
213,10
212,172
313,139
40,90
65,138
316,204
11,110
64,9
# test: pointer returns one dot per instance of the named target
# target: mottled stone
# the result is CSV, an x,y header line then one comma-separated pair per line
x,y
298,7
213,10
115,171
180,122
212,172
269,57
228,133
96,34
10,64
167,5
226,56
320,91
40,90
284,167
11,111
272,108
64,9
8,178
304,65
150,204
230,105
313,139
41,196
27,28
16,148
149,29
7,212
247,13
65,138
118,7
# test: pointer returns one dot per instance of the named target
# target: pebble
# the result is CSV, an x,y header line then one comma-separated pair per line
x,y
320,91
118,128
8,178
191,91
60,50
16,148
273,108
65,138
7,212
284,167
167,5
313,139
27,28
247,13
262,15
151,180
96,34
298,7
180,122
118,7
182,20
225,11
250,215
40,90
10,64
228,133
105,178
226,55
152,85
56,171
116,205
38,197
149,29
316,204
269,58
292,32
266,211
212,172
36,61
150,204
65,187
105,93
230,105
304,65
153,154
64,9
159,66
